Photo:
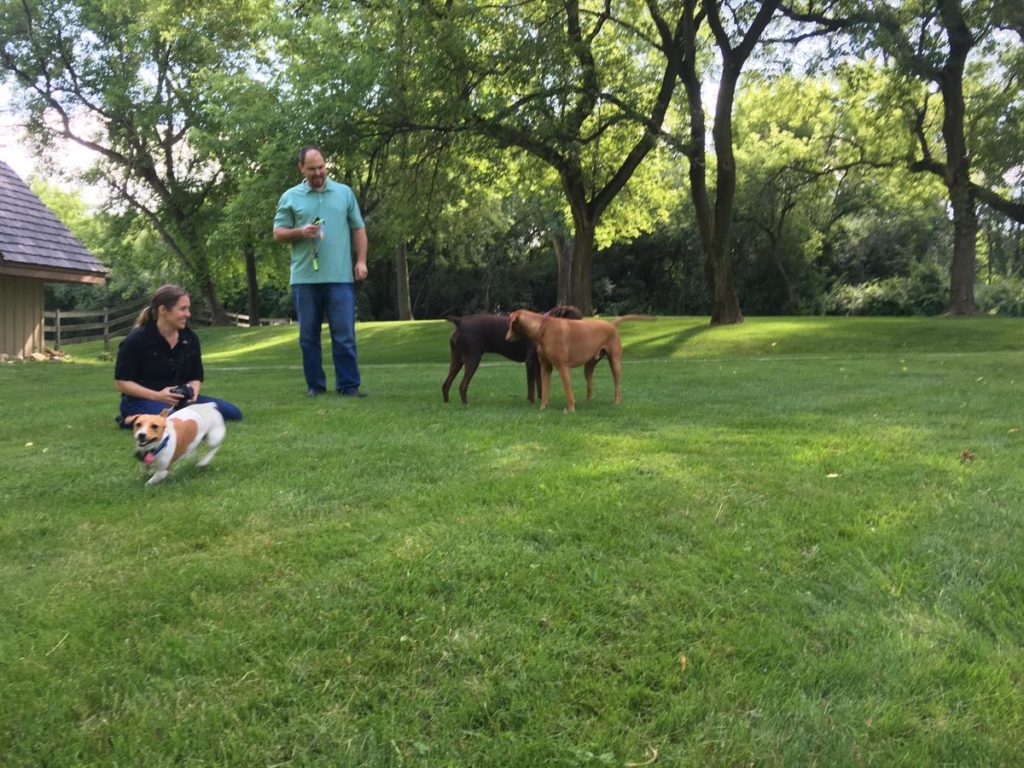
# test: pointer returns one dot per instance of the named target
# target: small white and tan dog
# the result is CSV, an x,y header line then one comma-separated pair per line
x,y
162,440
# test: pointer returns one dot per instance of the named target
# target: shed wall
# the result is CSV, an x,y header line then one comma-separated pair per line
x,y
21,315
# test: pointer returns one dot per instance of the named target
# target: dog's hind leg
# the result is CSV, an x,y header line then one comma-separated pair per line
x,y
214,437
570,401
615,361
545,383
532,376
588,372
471,365
453,370
208,457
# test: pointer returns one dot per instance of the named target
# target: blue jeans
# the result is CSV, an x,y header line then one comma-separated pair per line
x,y
131,406
338,300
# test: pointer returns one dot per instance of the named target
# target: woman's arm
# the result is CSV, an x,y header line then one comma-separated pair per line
x,y
134,389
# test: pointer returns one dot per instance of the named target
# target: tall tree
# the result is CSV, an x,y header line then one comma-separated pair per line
x,y
133,82
817,170
572,85
259,158
736,28
932,41
351,85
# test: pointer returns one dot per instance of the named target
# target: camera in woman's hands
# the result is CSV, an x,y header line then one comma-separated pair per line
x,y
186,395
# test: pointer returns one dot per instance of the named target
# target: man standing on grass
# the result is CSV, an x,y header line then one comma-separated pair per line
x,y
320,218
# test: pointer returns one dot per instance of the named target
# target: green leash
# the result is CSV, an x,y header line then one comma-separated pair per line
x,y
316,250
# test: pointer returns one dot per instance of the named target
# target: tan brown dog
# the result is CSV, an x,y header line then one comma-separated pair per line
x,y
163,439
565,344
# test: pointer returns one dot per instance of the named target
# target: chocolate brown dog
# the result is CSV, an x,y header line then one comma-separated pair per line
x,y
475,335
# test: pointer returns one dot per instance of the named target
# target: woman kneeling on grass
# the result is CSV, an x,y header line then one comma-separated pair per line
x,y
159,356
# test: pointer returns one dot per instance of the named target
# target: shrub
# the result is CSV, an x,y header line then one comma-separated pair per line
x,y
928,289
1005,296
877,297
923,292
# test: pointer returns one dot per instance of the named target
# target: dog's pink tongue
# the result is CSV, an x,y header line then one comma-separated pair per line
x,y
148,458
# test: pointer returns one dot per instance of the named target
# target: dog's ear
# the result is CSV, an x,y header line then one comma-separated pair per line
x,y
165,413
129,420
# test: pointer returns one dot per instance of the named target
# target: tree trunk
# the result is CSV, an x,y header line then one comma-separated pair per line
x,y
697,170
402,282
775,232
961,273
715,222
485,298
792,296
584,226
198,265
958,172
217,314
725,303
563,259
582,260
252,284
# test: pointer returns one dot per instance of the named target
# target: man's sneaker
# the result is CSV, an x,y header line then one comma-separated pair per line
x,y
313,392
352,392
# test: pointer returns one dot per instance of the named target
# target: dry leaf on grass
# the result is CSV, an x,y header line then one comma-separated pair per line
x,y
651,755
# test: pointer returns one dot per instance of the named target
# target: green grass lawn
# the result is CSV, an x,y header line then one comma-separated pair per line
x,y
774,552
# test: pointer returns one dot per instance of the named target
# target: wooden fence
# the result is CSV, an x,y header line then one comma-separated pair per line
x,y
70,327
240,320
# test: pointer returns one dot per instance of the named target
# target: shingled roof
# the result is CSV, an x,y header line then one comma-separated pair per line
x,y
34,242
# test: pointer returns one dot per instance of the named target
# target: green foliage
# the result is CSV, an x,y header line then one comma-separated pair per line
x,y
138,84
661,273
480,135
647,203
923,292
138,261
825,199
1004,296
879,297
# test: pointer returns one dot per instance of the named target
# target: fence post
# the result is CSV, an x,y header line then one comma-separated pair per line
x,y
57,330
106,329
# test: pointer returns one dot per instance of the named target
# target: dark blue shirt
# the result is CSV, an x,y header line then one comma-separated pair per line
x,y
146,358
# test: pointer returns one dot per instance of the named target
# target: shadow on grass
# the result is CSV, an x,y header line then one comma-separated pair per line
x,y
666,343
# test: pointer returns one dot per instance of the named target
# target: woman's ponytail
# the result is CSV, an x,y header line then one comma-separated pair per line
x,y
166,296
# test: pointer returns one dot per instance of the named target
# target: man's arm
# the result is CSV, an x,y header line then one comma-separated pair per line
x,y
291,234
359,253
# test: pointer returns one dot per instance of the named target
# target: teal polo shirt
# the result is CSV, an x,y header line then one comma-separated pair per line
x,y
336,205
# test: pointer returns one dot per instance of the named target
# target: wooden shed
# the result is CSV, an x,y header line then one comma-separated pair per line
x,y
35,249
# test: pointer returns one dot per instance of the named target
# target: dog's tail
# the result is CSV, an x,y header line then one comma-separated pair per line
x,y
618,320
455,319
